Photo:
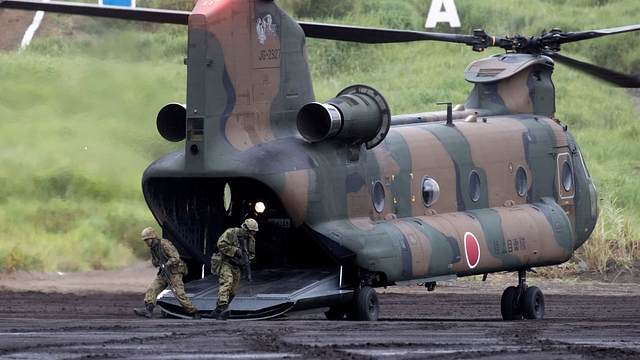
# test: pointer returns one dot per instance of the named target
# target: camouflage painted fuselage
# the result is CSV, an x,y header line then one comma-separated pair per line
x,y
475,226
499,186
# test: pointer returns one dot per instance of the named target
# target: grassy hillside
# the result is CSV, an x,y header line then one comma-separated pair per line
x,y
78,117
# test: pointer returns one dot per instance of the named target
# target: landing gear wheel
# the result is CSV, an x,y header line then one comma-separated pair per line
x,y
533,303
366,306
335,313
509,304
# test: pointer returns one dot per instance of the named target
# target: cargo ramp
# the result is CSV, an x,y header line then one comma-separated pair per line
x,y
272,293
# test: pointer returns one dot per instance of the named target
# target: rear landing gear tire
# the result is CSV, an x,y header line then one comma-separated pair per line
x,y
366,306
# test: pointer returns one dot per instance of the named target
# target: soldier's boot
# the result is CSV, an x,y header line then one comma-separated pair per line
x,y
224,312
221,312
215,314
196,315
146,312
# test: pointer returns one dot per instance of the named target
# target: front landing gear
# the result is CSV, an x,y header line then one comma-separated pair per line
x,y
522,301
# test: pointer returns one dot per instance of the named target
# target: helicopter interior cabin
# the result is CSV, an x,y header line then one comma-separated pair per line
x,y
206,207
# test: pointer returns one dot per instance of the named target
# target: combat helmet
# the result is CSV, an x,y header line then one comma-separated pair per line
x,y
250,225
149,233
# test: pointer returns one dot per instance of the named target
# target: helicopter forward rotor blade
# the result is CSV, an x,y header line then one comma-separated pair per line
x,y
370,35
611,76
116,12
592,34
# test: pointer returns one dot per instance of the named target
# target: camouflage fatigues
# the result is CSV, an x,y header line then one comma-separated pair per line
x,y
231,267
163,249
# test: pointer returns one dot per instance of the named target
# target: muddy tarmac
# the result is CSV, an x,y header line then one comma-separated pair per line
x,y
90,315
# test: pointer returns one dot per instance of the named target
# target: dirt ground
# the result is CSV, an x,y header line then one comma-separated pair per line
x,y
90,315
13,24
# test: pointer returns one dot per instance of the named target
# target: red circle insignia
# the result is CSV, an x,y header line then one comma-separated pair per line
x,y
472,249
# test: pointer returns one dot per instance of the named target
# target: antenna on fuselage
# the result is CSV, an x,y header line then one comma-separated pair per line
x,y
449,112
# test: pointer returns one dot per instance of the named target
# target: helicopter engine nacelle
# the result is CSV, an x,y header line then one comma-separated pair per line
x,y
171,122
358,114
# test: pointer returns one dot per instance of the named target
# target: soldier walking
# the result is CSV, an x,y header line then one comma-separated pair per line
x,y
171,269
230,245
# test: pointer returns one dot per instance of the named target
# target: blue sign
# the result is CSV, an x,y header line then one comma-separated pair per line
x,y
128,3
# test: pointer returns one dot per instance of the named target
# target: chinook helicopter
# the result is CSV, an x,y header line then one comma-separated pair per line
x,y
348,196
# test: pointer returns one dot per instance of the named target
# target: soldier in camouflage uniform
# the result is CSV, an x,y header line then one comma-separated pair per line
x,y
165,257
232,263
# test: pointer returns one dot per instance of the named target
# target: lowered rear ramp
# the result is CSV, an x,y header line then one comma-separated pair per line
x,y
280,292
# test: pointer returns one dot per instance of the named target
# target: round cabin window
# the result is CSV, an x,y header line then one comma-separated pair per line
x,y
378,196
430,191
475,187
521,181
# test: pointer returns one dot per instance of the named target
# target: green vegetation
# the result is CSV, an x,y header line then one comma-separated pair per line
x,y
78,116
75,140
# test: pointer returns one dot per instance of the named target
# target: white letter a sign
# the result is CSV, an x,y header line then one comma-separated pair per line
x,y
449,15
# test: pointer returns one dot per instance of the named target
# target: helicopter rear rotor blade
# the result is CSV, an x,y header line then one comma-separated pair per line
x,y
370,35
115,12
547,44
